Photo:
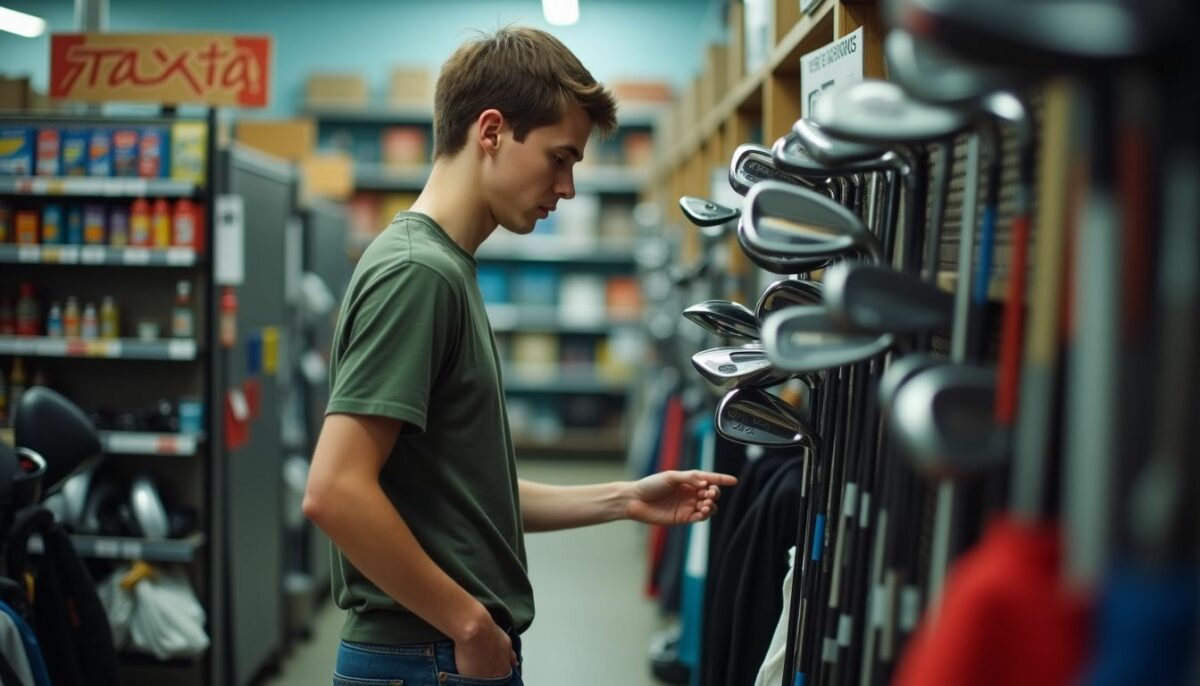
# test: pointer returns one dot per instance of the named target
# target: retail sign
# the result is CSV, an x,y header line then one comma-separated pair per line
x,y
836,64
167,68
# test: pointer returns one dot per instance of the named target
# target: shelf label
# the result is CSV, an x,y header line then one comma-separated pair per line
x,y
92,254
181,350
69,254
835,65
51,255
180,257
51,347
107,547
137,256
29,253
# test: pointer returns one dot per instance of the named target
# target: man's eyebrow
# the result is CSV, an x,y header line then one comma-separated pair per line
x,y
573,150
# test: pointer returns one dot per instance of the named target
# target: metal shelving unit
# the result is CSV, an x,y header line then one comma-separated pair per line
x,y
98,255
181,350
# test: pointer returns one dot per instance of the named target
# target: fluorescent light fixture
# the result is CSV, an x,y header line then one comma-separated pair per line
x,y
21,24
561,12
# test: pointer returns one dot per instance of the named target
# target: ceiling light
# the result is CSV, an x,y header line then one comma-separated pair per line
x,y
21,24
561,12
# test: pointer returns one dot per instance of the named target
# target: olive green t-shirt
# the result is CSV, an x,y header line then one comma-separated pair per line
x,y
413,343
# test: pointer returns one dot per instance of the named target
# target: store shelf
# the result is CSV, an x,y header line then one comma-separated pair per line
x,y
148,443
84,186
518,380
396,114
126,548
628,114
99,255
551,248
997,287
529,318
574,441
382,177
589,179
122,348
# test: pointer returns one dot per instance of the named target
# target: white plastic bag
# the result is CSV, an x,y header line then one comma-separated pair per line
x,y
154,610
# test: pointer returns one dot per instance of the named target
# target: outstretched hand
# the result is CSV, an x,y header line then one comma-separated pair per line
x,y
670,498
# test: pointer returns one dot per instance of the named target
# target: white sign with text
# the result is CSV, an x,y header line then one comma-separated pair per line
x,y
836,64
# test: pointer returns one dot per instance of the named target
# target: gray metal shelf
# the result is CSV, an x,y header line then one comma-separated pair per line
x,y
98,255
128,548
87,186
114,349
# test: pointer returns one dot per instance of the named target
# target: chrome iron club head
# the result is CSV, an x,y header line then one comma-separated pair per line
x,y
805,339
732,367
755,417
878,299
724,318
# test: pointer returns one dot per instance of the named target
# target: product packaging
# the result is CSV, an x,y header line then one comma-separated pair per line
x,y
188,154
75,152
151,152
27,227
125,152
100,153
16,151
52,224
93,224
49,142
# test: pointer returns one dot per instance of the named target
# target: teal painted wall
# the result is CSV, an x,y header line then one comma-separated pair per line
x,y
645,39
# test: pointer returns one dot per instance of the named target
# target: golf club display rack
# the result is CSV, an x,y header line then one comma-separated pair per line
x,y
1002,381
521,279
226,476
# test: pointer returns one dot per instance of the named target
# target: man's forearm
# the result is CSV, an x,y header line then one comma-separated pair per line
x,y
377,541
545,507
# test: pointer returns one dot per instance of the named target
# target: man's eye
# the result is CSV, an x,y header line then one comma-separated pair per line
x,y
560,160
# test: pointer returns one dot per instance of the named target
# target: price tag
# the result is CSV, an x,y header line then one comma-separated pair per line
x,y
107,547
181,350
137,256
132,550
23,186
29,253
238,405
180,257
51,347
111,187
92,254
69,254
51,255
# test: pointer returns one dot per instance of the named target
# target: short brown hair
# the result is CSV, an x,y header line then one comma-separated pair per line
x,y
527,74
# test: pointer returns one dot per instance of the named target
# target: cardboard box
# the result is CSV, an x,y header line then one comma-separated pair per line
x,y
15,93
336,90
627,90
327,175
290,139
410,86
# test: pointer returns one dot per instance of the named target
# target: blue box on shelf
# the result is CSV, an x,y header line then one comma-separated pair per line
x,y
493,283
16,151
535,285
75,152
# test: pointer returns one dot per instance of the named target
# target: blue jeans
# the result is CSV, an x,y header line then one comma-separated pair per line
x,y
417,664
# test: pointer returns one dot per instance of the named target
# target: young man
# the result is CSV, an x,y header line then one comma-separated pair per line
x,y
414,477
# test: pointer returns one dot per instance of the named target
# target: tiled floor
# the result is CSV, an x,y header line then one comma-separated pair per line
x,y
593,622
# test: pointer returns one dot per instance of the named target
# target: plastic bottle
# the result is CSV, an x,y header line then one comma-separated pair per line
x,y
71,318
74,233
5,223
26,223
184,224
228,324
93,225
110,321
54,321
16,384
182,322
160,221
118,227
90,325
8,317
52,224
28,319
139,223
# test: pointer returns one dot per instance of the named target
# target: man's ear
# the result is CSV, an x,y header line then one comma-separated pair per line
x,y
488,128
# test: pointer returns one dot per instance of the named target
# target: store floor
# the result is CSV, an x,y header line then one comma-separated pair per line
x,y
593,621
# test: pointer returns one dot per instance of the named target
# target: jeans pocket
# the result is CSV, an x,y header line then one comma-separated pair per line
x,y
448,678
339,680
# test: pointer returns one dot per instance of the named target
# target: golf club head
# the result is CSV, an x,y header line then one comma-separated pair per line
x,y
878,299
794,222
929,73
942,418
724,318
1048,35
900,370
707,214
876,111
752,163
777,264
752,416
732,367
805,339
788,293
844,154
